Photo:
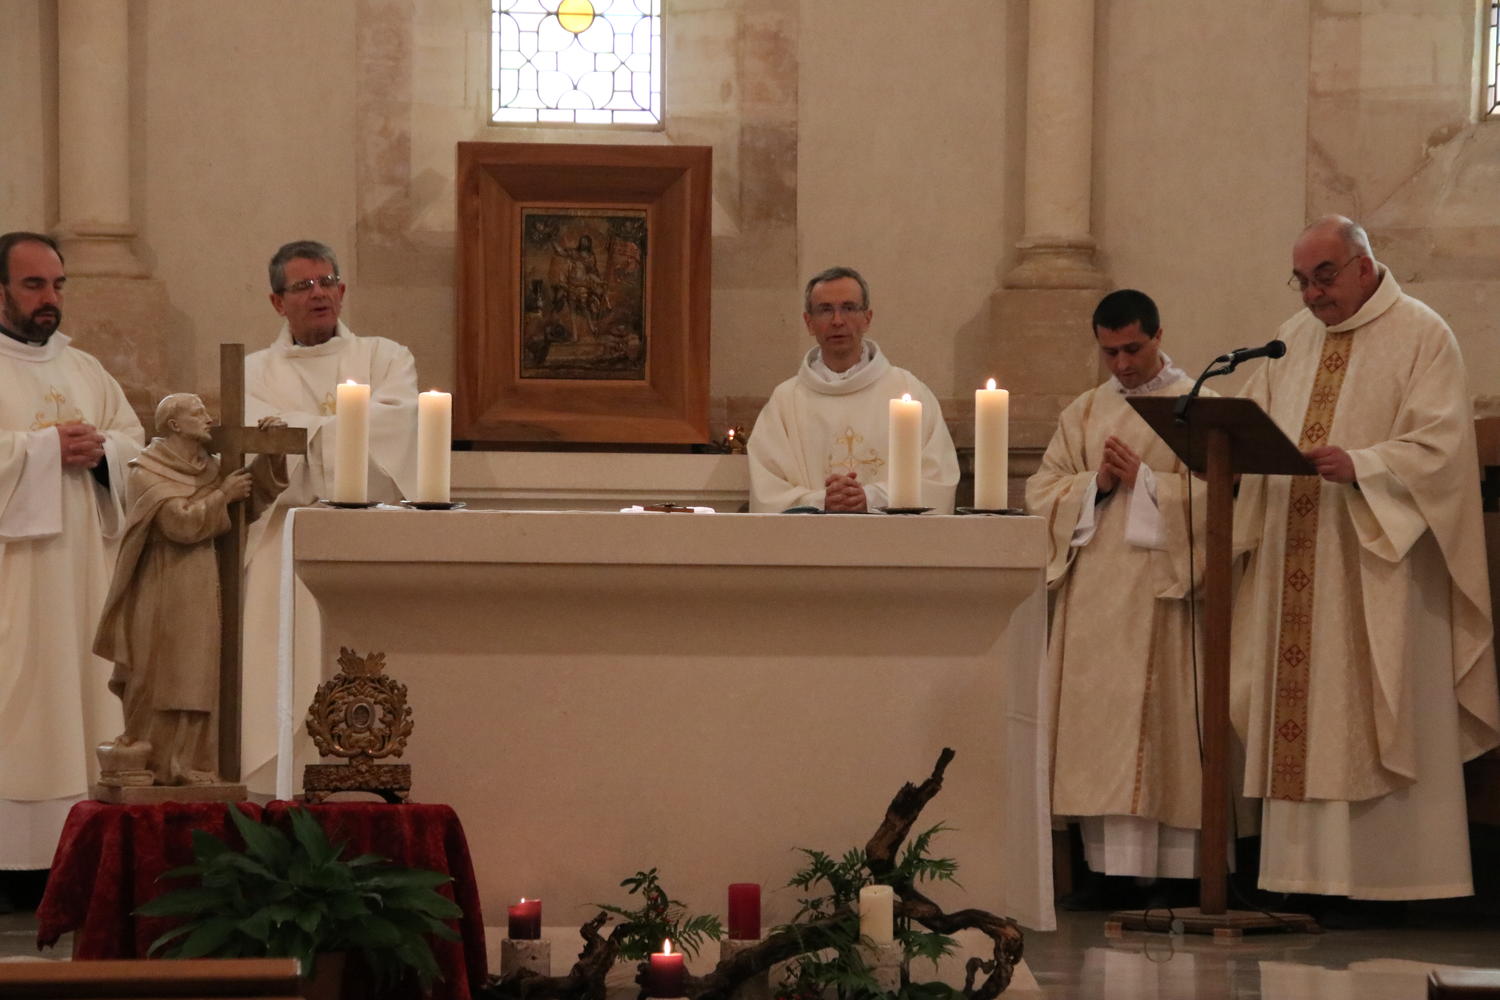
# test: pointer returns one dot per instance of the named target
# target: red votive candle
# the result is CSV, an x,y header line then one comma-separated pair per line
x,y
744,911
664,976
525,919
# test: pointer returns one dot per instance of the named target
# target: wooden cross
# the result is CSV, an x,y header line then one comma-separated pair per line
x,y
233,441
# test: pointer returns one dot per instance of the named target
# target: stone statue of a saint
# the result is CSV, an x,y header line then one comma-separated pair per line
x,y
162,618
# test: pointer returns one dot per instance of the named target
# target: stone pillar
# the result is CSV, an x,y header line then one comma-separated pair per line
x,y
93,139
113,309
1041,339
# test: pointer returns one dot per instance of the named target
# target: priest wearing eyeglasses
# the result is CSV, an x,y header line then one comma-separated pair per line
x,y
821,440
294,379
1363,667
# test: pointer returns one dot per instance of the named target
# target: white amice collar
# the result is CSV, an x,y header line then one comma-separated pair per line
x,y
1169,374
1387,293
34,353
817,376
341,339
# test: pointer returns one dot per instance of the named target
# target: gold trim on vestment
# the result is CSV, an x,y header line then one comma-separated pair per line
x,y
1293,671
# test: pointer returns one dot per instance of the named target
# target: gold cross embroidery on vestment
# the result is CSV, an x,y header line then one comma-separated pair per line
x,y
1293,668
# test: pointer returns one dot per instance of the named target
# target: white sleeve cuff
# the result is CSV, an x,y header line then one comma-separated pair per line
x,y
35,508
1143,526
1083,531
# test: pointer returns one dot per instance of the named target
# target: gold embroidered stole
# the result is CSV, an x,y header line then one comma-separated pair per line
x,y
1293,659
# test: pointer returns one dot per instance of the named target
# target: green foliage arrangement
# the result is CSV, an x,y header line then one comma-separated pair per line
x,y
294,897
657,919
827,922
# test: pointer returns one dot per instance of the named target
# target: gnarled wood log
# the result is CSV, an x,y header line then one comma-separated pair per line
x,y
586,979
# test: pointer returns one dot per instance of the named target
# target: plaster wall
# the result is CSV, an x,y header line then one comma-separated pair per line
x,y
28,121
1201,115
246,142
904,159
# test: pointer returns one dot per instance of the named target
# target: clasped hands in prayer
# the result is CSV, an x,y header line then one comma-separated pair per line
x,y
1120,465
843,494
82,444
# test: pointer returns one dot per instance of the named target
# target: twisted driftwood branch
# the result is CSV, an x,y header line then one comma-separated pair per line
x,y
585,981
880,856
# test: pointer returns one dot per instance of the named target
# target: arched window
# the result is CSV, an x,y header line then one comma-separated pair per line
x,y
576,62
1491,98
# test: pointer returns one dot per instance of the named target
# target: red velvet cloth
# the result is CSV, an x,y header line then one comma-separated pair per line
x,y
109,858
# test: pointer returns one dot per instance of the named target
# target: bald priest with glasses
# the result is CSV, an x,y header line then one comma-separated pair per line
x,y
821,441
1363,667
294,379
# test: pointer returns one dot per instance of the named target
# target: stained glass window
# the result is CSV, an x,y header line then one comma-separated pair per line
x,y
576,62
1492,60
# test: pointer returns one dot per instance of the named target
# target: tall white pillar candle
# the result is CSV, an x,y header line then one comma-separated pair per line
x,y
351,461
904,462
434,446
991,447
876,912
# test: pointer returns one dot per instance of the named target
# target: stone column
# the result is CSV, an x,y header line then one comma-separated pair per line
x,y
113,310
93,139
1041,340
1057,250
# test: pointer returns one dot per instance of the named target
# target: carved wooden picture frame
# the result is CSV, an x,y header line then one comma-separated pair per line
x,y
583,293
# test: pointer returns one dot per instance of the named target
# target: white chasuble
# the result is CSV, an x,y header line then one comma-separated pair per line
x,y
58,528
1363,662
814,426
1120,652
297,384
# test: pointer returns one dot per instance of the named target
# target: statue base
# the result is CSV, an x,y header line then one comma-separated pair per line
x,y
130,795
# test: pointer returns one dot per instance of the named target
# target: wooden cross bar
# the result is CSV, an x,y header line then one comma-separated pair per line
x,y
233,441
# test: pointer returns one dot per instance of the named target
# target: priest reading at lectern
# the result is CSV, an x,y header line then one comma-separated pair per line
x,y
1363,668
821,441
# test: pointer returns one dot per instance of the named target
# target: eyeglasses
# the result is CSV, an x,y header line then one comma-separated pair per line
x,y
825,310
1322,277
329,281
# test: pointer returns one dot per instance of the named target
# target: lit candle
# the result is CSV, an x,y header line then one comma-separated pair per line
x,y
876,913
991,447
434,446
664,976
351,462
524,920
904,463
744,911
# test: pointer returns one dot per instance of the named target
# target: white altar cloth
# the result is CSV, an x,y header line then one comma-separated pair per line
x,y
599,693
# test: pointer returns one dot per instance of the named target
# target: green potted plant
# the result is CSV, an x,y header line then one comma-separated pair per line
x,y
294,896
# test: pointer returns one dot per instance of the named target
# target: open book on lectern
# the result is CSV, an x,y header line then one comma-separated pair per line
x,y
1259,447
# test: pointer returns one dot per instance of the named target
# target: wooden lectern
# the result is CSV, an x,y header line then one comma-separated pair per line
x,y
1218,438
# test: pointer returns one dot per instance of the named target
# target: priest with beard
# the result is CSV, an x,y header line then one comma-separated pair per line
x,y
66,432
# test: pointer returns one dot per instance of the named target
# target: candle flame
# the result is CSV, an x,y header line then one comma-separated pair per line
x,y
350,381
523,899
731,433
990,384
906,397
666,947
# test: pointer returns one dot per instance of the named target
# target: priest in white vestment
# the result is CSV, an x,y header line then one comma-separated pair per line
x,y
66,434
1116,501
821,440
1363,669
294,379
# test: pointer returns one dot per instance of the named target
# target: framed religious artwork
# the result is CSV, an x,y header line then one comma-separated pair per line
x,y
583,293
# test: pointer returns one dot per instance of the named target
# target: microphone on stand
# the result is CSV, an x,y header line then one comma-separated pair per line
x,y
1274,349
1226,363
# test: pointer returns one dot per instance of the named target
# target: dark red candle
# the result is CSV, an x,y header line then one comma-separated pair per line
x,y
525,919
664,976
744,911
